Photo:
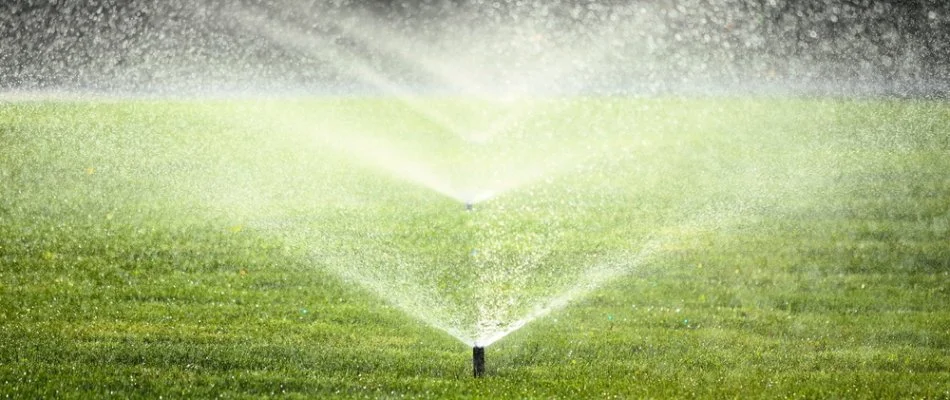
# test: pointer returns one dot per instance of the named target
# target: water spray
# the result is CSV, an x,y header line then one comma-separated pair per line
x,y
478,361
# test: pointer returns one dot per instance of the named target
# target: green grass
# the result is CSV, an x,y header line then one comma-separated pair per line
x,y
217,248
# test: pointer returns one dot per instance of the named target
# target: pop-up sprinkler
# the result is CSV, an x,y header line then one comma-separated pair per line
x,y
478,361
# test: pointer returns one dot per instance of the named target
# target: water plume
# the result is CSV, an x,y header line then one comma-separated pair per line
x,y
507,109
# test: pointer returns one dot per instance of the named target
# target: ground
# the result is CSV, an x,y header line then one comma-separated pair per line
x,y
154,248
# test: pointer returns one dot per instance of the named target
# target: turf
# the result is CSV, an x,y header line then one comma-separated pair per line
x,y
206,248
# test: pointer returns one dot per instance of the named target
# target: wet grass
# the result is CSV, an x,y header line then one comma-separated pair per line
x,y
136,259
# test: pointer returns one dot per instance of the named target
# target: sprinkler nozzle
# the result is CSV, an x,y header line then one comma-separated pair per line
x,y
468,206
478,361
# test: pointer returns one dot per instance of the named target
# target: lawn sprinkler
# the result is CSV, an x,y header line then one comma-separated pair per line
x,y
478,361
468,206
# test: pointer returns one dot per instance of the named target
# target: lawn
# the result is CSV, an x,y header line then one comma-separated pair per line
x,y
316,247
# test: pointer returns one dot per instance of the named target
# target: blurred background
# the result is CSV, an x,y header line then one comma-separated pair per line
x,y
628,47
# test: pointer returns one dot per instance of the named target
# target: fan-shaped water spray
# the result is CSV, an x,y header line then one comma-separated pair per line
x,y
541,185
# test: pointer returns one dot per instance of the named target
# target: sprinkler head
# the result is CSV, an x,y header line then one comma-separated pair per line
x,y
468,206
478,361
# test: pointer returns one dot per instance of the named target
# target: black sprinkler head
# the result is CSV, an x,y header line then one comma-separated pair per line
x,y
478,361
468,206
